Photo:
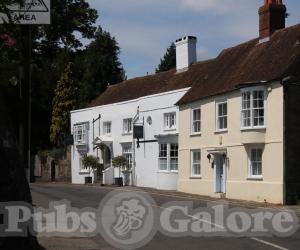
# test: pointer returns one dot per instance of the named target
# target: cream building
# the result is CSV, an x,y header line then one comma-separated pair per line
x,y
238,124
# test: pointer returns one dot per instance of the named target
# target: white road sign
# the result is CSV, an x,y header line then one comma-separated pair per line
x,y
32,12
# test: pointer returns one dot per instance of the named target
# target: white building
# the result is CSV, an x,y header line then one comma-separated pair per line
x,y
105,128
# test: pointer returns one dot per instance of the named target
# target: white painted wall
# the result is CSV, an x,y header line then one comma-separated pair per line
x,y
147,173
186,52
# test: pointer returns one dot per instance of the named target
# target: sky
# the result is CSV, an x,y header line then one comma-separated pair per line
x,y
145,28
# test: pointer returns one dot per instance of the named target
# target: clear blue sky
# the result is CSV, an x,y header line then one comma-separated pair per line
x,y
145,28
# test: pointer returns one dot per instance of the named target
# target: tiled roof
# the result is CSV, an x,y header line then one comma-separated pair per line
x,y
250,62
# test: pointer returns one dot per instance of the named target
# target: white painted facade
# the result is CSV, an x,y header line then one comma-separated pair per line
x,y
152,110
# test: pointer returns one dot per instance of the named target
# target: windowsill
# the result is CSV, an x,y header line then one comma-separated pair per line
x,y
108,135
169,129
81,144
125,133
255,178
195,134
253,128
196,177
221,131
167,172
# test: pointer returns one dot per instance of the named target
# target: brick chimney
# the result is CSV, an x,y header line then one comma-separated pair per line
x,y
272,17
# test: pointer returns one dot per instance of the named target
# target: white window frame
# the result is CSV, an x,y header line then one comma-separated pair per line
x,y
105,128
193,121
168,119
168,158
251,109
162,158
193,163
172,158
218,129
83,127
250,175
127,126
127,153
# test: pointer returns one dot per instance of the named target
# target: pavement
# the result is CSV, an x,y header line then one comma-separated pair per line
x,y
82,196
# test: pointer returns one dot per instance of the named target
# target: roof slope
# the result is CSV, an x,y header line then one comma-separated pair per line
x,y
247,62
150,85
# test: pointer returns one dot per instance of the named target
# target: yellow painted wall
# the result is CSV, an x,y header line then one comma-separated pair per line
x,y
237,184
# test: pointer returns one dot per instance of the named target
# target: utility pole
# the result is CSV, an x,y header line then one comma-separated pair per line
x,y
25,122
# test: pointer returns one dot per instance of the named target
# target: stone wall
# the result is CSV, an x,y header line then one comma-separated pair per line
x,y
50,169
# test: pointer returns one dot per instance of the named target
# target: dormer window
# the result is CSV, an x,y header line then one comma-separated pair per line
x,y
170,121
81,133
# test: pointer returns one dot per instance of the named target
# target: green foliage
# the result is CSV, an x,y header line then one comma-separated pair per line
x,y
168,61
64,101
120,162
54,46
56,153
102,66
91,162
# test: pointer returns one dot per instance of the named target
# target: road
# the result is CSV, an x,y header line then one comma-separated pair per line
x,y
90,196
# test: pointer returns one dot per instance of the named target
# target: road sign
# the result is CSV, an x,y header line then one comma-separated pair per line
x,y
31,13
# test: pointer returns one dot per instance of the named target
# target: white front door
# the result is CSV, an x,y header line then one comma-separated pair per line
x,y
219,174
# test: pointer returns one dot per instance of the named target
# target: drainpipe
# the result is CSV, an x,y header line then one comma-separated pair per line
x,y
133,148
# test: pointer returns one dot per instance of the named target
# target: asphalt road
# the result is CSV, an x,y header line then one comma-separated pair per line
x,y
87,196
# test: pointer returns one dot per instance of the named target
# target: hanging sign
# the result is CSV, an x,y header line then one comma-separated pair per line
x,y
32,12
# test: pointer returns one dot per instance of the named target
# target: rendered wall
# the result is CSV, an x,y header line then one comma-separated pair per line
x,y
238,186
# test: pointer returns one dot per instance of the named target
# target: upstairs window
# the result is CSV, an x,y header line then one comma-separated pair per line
x,y
107,128
221,116
127,126
81,134
170,121
253,109
196,121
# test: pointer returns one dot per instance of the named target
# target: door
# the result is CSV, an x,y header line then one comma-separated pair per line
x,y
220,174
53,170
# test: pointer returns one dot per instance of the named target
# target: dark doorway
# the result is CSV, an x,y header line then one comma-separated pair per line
x,y
52,170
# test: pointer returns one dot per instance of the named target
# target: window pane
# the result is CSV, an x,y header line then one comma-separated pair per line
x,y
163,164
163,152
196,123
196,159
174,164
256,162
174,150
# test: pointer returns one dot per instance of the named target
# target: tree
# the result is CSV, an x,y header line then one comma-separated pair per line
x,y
71,20
168,61
102,66
64,101
91,163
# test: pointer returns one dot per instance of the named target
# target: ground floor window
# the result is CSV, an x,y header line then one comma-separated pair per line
x,y
195,163
81,166
255,162
168,157
127,153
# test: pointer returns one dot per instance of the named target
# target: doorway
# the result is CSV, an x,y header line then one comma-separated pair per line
x,y
219,173
53,170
